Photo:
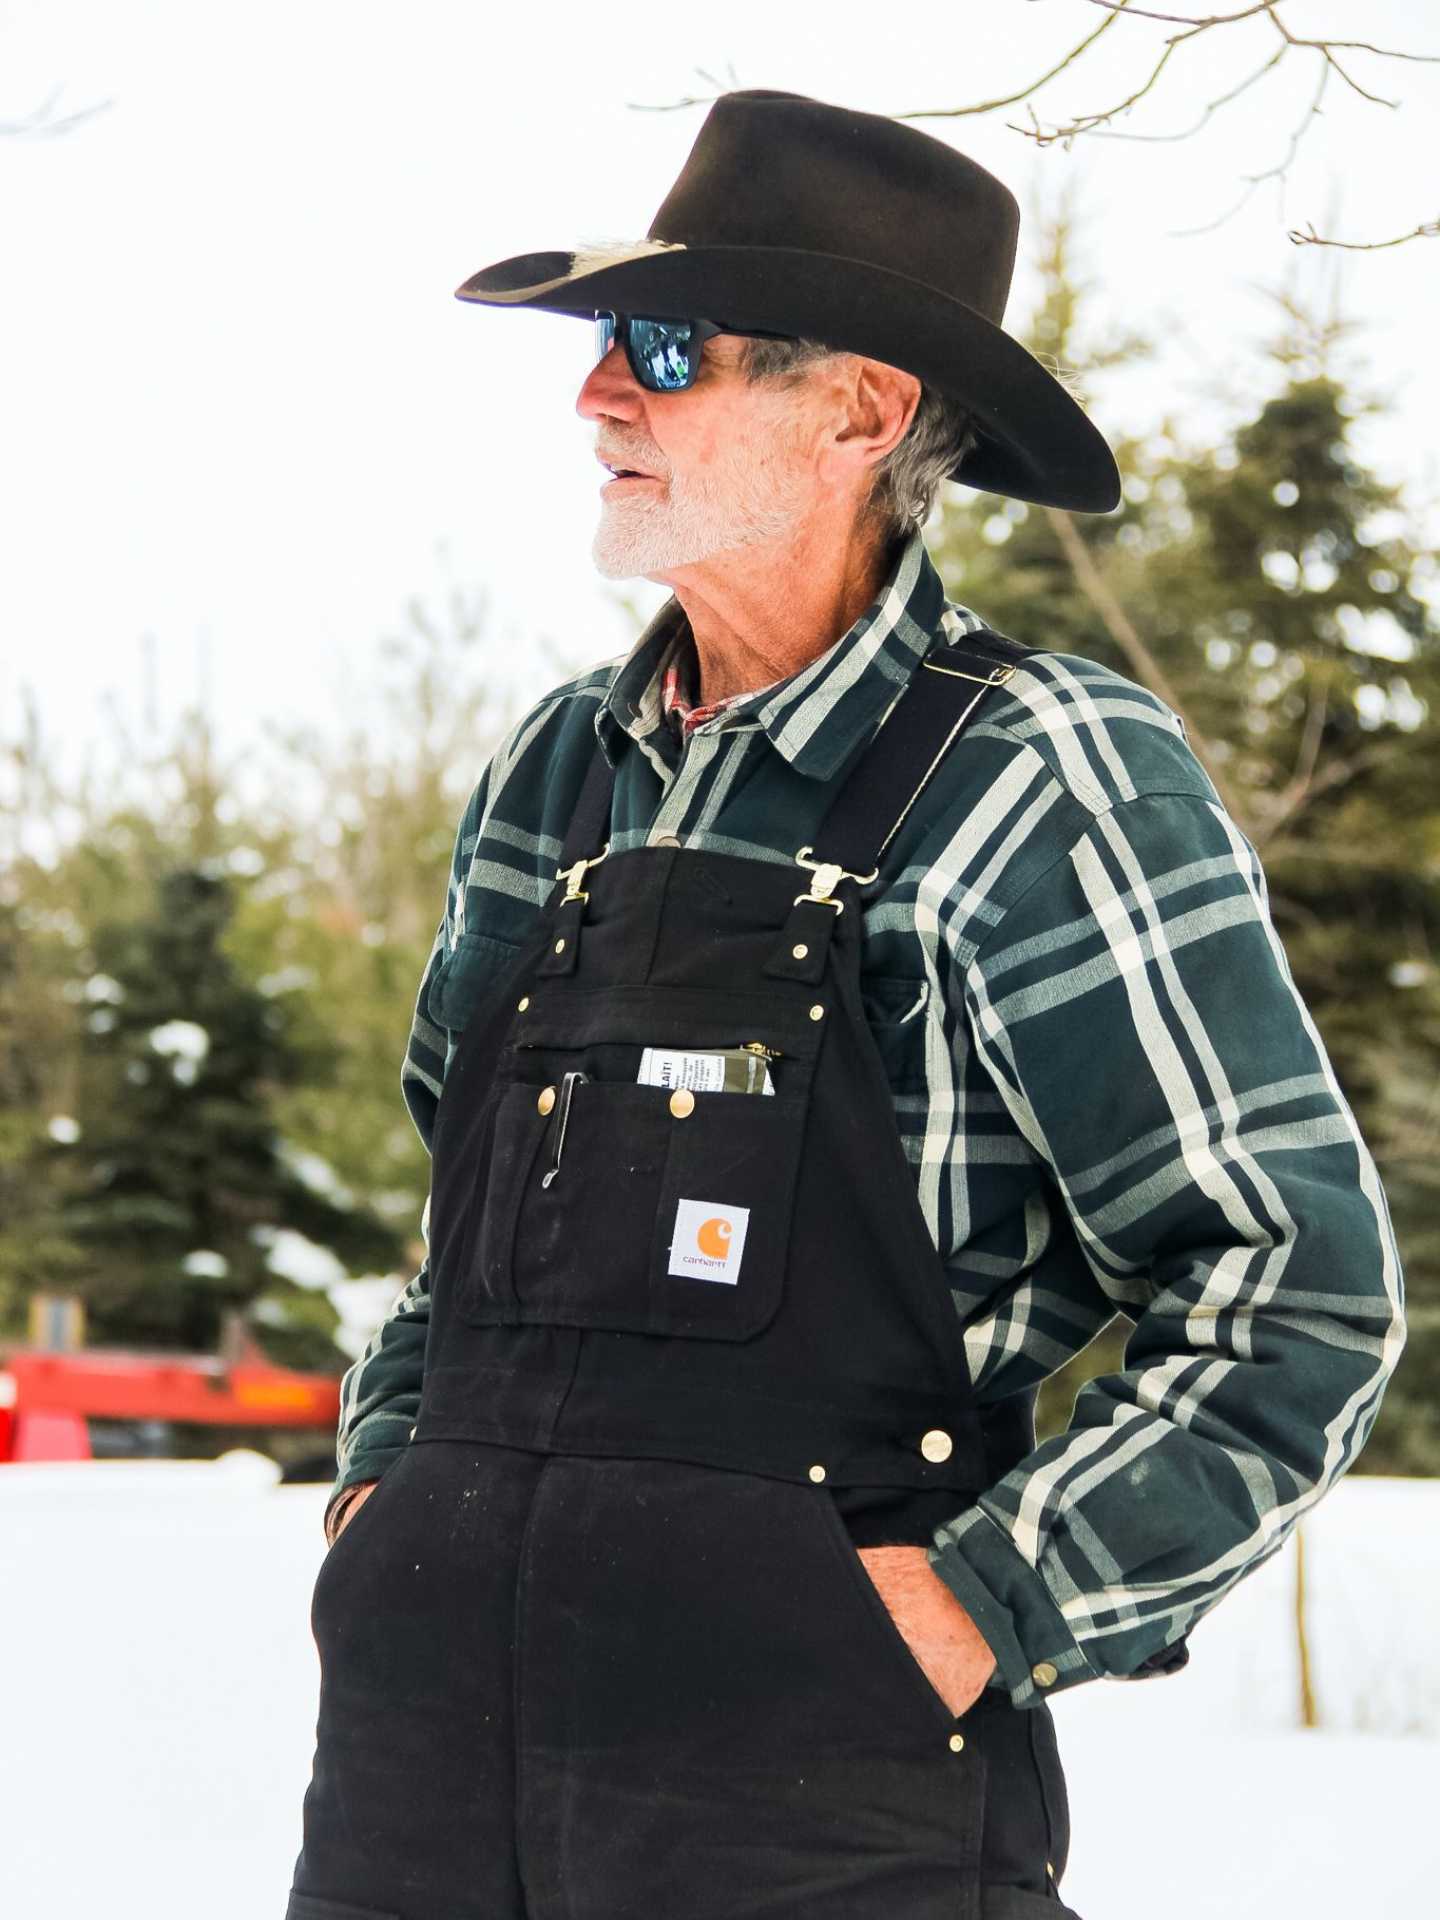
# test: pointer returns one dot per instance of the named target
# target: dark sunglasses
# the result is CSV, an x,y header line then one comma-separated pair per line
x,y
664,355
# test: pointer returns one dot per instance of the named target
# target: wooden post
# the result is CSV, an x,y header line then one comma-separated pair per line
x,y
1309,1712
57,1323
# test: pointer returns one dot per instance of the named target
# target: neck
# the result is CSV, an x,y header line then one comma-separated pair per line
x,y
760,613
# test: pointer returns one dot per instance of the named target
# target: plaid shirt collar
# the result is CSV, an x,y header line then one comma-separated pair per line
x,y
817,717
677,704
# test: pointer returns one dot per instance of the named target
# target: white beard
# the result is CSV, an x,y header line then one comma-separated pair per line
x,y
738,500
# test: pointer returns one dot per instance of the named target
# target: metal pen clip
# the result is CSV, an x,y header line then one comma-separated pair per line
x,y
561,1121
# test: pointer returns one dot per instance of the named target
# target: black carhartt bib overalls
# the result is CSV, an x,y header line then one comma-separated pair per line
x,y
600,1644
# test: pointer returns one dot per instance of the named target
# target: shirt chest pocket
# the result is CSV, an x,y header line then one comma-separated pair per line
x,y
896,1012
601,1202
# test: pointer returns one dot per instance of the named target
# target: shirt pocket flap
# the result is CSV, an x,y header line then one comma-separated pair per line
x,y
473,968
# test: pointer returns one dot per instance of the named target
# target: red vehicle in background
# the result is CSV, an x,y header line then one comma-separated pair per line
x,y
87,1403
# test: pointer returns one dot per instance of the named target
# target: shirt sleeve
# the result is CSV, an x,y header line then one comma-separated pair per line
x,y
380,1391
1136,1012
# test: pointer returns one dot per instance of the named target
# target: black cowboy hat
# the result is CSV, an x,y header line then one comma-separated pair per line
x,y
795,217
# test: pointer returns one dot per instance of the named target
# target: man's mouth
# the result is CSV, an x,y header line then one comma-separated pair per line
x,y
619,472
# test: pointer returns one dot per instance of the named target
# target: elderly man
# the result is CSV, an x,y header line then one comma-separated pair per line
x,y
839,1011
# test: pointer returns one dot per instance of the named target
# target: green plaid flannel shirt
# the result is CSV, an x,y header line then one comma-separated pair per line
x,y
1110,1094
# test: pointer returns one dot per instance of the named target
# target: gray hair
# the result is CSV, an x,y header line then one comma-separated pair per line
x,y
907,481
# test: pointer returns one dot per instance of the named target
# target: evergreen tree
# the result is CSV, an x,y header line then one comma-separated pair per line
x,y
39,1040
36,1059
188,1185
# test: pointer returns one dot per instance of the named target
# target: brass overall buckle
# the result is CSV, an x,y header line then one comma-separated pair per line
x,y
572,876
826,876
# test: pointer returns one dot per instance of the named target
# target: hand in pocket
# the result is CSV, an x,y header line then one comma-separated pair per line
x,y
939,1632
359,1494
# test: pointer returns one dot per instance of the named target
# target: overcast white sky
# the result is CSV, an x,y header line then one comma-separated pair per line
x,y
243,414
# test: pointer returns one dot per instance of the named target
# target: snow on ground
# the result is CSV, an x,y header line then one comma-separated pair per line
x,y
158,1689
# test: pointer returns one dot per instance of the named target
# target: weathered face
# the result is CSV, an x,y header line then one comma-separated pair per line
x,y
724,464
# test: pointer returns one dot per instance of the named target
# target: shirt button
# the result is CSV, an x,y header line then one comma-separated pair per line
x,y
937,1445
957,1743
666,840
547,1100
817,1473
1044,1673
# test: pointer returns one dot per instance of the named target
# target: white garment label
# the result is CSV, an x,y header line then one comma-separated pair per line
x,y
709,1241
734,1071
667,1067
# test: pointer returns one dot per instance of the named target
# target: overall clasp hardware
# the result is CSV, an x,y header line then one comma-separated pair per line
x,y
996,677
572,876
826,875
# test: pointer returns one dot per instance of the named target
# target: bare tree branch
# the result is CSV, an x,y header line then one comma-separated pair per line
x,y
721,84
1427,230
1122,631
1337,773
1098,124
1213,108
1183,19
1278,172
1012,99
43,123
1280,806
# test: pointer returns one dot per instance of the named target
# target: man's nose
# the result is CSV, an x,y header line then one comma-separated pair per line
x,y
610,388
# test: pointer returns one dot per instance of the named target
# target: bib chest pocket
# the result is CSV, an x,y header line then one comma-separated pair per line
x,y
607,1204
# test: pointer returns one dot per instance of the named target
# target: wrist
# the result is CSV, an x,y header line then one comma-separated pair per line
x,y
334,1519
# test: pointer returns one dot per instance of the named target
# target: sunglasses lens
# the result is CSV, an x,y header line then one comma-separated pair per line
x,y
604,334
663,349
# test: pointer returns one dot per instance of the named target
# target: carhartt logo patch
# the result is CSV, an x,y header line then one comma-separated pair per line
x,y
709,1241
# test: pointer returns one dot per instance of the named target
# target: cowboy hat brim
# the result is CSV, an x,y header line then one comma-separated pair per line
x,y
1035,442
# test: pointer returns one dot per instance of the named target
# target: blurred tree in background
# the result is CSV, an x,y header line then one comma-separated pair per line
x,y
1273,590
188,1182
204,1003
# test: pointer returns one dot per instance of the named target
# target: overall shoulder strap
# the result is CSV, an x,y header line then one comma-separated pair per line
x,y
587,842
589,827
944,693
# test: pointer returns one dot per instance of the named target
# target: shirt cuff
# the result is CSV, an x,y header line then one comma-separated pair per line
x,y
1036,1654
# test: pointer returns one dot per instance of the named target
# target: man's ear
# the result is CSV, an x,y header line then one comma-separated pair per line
x,y
882,401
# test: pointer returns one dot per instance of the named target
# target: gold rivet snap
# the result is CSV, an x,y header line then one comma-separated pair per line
x,y
937,1445
682,1103
817,1474
1044,1673
817,1012
523,1004
957,1743
559,946
799,951
546,1100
